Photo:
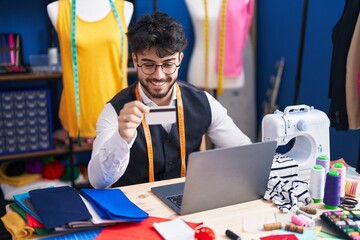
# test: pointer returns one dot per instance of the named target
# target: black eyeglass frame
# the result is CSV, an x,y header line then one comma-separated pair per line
x,y
159,65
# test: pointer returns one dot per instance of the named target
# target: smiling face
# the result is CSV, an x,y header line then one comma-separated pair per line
x,y
157,86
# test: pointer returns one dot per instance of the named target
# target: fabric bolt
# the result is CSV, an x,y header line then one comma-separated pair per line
x,y
99,67
237,27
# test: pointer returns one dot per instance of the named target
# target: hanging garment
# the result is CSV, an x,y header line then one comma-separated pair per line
x,y
99,67
352,70
341,39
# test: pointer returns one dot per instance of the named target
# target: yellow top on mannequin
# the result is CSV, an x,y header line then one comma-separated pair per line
x,y
99,58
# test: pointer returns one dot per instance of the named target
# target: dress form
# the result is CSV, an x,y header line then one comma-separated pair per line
x,y
196,71
101,51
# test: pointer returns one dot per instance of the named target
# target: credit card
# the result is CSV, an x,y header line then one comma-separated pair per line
x,y
161,115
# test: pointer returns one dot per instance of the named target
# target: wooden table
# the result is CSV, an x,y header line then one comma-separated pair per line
x,y
220,219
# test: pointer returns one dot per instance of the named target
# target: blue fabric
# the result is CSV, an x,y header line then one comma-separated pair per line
x,y
58,206
24,201
113,204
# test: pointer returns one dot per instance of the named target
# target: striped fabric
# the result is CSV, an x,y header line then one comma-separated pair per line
x,y
284,189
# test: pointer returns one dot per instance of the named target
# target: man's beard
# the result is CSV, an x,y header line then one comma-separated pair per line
x,y
154,94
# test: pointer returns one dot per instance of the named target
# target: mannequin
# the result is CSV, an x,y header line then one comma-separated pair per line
x,y
196,71
239,91
102,54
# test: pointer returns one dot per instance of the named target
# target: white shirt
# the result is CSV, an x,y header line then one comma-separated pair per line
x,y
110,155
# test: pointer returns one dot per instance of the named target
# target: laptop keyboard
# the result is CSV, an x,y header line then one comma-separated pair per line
x,y
176,199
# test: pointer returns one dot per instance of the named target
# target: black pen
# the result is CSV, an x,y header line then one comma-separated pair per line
x,y
233,236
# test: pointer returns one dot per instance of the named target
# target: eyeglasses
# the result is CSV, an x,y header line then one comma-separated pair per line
x,y
167,68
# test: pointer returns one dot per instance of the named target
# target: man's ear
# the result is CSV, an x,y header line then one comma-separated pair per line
x,y
181,56
134,59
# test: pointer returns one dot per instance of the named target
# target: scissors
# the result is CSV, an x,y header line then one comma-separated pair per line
x,y
347,203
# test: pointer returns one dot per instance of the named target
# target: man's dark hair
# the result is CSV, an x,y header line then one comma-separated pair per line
x,y
159,31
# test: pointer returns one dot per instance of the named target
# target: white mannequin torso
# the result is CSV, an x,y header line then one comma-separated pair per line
x,y
196,71
90,10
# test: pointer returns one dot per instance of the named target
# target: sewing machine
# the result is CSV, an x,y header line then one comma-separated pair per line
x,y
307,126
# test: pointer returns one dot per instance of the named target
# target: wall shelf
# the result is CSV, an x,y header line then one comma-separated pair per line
x,y
57,151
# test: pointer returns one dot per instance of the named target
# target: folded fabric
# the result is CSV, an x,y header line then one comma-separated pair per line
x,y
288,195
141,230
17,181
9,191
31,221
284,167
16,226
58,206
23,200
113,204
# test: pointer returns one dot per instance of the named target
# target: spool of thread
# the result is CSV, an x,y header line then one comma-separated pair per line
x,y
317,183
340,167
299,212
272,226
332,190
297,220
324,161
309,221
294,228
309,210
53,56
352,187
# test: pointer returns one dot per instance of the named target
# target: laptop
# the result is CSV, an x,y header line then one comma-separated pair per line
x,y
221,177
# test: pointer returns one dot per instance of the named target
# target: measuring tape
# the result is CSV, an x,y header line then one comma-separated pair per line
x,y
220,89
206,33
181,126
75,59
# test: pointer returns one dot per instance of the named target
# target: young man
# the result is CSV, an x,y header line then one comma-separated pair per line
x,y
128,151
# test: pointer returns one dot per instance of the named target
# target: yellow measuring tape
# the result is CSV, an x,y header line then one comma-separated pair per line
x,y
181,126
206,53
220,87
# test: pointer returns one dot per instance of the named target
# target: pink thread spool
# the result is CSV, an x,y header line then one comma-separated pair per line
x,y
295,219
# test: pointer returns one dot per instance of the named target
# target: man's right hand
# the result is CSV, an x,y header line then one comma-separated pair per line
x,y
130,118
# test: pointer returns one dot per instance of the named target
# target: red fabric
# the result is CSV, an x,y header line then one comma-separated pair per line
x,y
33,222
280,237
140,230
53,170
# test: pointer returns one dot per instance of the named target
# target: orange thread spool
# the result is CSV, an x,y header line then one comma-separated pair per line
x,y
272,226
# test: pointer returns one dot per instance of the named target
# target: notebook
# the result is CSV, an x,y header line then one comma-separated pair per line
x,y
221,177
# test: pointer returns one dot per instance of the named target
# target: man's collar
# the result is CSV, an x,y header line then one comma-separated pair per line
x,y
149,102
